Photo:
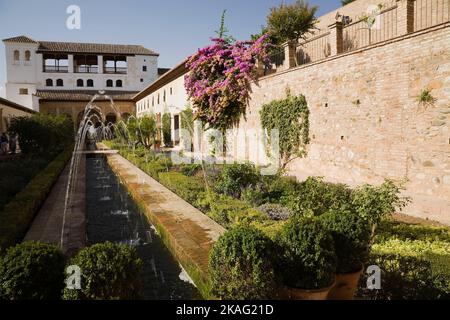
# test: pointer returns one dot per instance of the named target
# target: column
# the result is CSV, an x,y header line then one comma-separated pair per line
x,y
336,38
71,63
290,50
100,64
405,17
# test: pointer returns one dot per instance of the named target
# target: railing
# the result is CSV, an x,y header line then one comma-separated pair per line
x,y
314,49
120,70
275,61
428,13
56,69
391,20
363,33
86,69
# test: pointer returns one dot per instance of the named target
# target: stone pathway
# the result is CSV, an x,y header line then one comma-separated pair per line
x,y
188,233
47,224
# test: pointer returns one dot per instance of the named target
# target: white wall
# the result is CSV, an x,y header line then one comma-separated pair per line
x,y
29,75
130,81
174,103
21,74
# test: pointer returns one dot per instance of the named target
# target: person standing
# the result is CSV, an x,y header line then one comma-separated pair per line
x,y
4,143
12,143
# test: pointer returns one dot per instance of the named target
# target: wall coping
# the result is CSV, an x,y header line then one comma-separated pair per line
x,y
367,48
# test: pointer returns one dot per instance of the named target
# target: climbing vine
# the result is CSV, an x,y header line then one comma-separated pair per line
x,y
291,117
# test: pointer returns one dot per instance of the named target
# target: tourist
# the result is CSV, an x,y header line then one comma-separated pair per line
x,y
12,143
4,143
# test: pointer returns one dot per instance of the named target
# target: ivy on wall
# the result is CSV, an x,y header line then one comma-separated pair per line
x,y
291,117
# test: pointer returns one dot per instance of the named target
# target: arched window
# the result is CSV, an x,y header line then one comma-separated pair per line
x,y
27,55
90,83
49,83
153,101
16,55
157,100
59,83
109,83
119,83
80,83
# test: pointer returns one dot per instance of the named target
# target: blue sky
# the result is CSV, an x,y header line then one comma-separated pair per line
x,y
173,28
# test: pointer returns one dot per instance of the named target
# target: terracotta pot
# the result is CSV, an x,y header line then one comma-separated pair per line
x,y
346,285
304,294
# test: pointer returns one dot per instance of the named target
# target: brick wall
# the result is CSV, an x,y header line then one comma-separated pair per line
x,y
366,123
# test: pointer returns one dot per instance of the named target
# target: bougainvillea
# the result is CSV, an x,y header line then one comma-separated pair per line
x,y
218,82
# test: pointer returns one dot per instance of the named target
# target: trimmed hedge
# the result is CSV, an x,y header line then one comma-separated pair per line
x,y
414,262
18,214
109,271
188,188
241,265
32,270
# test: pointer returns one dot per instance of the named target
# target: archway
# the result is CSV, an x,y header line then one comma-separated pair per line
x,y
111,118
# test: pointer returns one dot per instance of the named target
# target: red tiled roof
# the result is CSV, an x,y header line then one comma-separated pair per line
x,y
75,47
20,39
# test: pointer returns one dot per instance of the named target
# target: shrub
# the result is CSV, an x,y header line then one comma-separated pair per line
x,y
32,270
20,211
275,211
190,169
108,272
188,188
377,202
307,260
314,197
42,133
228,211
142,131
234,178
241,265
351,236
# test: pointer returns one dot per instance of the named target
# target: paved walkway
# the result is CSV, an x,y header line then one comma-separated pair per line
x,y
47,224
187,232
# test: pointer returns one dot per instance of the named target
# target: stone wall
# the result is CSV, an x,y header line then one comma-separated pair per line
x,y
366,122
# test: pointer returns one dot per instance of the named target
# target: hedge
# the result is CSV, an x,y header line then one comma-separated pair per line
x,y
18,214
414,262
32,271
187,188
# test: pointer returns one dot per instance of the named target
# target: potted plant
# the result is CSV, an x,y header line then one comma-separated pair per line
x,y
307,260
351,236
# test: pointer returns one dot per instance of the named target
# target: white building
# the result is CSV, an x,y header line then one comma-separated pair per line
x,y
36,68
166,95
